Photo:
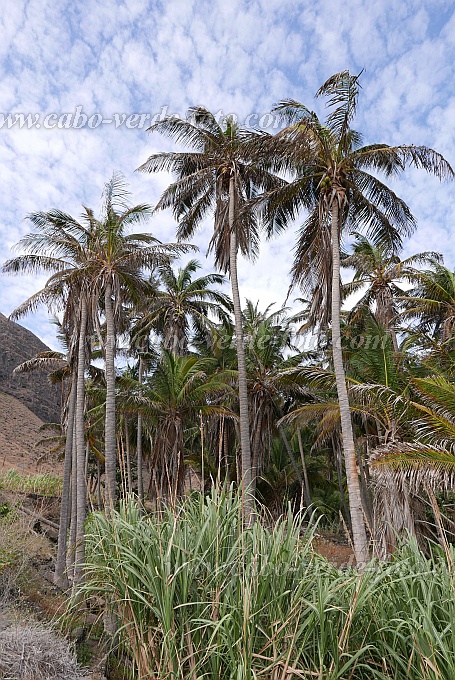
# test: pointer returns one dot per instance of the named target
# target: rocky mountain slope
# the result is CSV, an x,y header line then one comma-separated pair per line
x,y
17,344
19,433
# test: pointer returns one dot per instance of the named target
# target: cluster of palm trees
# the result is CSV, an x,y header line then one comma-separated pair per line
x,y
223,392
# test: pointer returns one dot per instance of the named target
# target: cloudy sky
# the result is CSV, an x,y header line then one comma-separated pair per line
x,y
111,59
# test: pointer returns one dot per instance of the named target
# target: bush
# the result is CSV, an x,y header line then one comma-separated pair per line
x,y
34,653
199,596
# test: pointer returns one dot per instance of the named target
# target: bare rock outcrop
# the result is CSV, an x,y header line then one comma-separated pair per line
x,y
17,344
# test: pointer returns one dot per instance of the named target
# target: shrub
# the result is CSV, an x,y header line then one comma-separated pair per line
x,y
34,653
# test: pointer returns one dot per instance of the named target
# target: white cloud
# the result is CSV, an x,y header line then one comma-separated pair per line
x,y
242,56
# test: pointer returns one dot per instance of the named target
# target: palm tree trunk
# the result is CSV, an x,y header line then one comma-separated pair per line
x,y
365,489
339,470
255,457
87,458
121,461
290,454
110,443
109,431
81,491
98,485
72,538
60,576
129,482
140,482
306,484
384,313
355,502
393,336
241,363
201,429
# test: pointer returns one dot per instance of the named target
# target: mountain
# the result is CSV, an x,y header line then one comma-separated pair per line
x,y
33,390
19,434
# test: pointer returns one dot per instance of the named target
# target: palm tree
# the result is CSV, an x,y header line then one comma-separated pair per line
x,y
89,260
432,302
333,181
378,272
183,304
117,264
272,379
404,421
420,464
59,245
219,175
180,390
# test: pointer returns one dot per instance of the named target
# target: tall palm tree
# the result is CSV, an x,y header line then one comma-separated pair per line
x,y
333,181
117,264
182,304
219,175
378,274
90,260
59,245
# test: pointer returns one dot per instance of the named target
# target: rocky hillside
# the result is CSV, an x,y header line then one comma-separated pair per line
x,y
19,434
17,344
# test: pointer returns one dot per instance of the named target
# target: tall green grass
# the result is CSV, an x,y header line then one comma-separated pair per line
x,y
44,484
198,596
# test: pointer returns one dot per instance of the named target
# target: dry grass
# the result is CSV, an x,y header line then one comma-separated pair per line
x,y
32,652
28,651
19,545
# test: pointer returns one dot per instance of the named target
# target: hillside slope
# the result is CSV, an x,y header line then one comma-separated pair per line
x,y
19,432
17,344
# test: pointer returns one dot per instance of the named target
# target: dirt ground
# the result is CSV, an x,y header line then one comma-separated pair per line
x,y
335,549
19,433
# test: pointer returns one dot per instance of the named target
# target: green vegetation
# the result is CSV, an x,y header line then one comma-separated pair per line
x,y
349,415
9,548
213,388
44,484
199,596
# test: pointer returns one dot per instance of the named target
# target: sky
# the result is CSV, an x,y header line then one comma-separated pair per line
x,y
112,59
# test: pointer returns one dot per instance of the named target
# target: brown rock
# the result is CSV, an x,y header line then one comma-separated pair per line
x,y
17,344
